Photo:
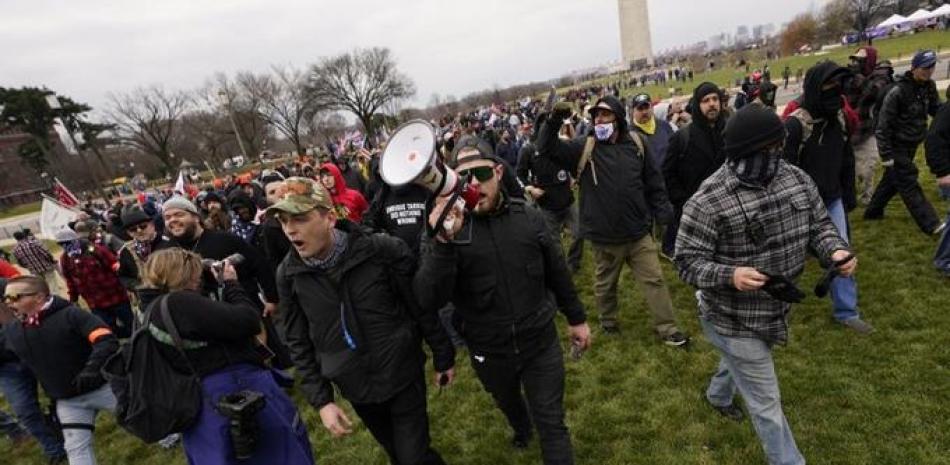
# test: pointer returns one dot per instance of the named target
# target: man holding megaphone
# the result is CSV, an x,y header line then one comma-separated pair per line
x,y
506,283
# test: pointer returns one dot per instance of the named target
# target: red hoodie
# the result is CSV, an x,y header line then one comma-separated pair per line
x,y
349,199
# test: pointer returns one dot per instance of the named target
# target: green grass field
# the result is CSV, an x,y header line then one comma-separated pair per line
x,y
19,210
882,399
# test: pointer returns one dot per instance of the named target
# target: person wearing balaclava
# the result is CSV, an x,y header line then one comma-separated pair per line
x,y
621,195
901,127
742,244
818,143
695,152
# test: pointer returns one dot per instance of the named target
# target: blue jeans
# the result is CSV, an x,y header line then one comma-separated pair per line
x,y
745,366
19,388
942,257
844,291
10,427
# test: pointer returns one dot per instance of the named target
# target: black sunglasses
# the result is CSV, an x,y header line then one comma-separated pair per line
x,y
139,227
482,173
14,298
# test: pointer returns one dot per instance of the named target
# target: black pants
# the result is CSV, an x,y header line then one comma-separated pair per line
x,y
670,231
902,179
541,375
401,426
558,220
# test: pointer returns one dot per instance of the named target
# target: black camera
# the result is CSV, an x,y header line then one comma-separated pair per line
x,y
241,408
218,265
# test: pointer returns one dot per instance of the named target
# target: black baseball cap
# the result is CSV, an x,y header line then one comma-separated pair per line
x,y
640,100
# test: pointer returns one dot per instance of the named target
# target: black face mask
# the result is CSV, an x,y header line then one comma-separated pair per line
x,y
768,98
830,102
758,169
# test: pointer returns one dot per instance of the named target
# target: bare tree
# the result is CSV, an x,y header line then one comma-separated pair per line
x,y
361,82
836,19
904,7
282,101
866,11
148,120
207,126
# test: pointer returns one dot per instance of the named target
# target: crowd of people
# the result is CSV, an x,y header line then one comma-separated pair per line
x,y
319,275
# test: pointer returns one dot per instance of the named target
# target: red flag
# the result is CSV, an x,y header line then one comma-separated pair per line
x,y
63,194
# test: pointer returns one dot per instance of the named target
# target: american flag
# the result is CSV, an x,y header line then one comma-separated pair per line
x,y
64,195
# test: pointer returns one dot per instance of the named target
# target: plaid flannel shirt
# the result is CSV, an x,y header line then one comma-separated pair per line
x,y
728,224
34,256
92,275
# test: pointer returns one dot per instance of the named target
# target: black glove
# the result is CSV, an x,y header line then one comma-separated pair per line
x,y
781,288
562,111
87,382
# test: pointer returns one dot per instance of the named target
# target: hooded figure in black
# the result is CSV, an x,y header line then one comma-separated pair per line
x,y
817,135
695,153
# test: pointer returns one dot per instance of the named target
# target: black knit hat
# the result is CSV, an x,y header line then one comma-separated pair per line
x,y
133,216
750,129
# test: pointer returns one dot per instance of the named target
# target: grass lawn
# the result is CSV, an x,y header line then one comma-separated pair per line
x,y
20,210
882,399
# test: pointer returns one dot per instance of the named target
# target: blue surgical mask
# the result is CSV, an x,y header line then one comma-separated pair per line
x,y
603,131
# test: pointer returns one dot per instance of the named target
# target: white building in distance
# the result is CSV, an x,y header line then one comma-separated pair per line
x,y
635,44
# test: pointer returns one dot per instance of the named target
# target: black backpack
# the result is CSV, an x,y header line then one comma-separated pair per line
x,y
153,398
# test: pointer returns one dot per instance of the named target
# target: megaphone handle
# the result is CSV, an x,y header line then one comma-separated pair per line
x,y
445,212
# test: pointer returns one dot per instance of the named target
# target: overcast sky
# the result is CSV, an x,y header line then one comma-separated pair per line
x,y
88,48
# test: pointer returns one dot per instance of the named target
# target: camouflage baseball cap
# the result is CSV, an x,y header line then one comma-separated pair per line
x,y
300,196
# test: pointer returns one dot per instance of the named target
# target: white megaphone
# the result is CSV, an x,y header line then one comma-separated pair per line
x,y
411,156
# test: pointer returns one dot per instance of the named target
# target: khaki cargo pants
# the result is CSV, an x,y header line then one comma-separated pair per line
x,y
642,258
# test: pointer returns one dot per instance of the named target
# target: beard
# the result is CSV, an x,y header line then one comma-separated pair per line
x,y
189,233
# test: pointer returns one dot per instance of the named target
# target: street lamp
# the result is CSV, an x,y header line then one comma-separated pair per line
x,y
225,100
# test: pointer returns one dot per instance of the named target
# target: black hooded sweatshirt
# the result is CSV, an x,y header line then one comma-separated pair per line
x,y
827,156
68,341
628,194
695,152
938,143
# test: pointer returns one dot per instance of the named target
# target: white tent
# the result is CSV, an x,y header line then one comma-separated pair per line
x,y
894,20
942,11
920,15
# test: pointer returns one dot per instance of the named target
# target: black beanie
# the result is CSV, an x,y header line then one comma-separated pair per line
x,y
750,129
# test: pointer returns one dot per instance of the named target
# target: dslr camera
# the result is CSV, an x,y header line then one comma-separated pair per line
x,y
241,408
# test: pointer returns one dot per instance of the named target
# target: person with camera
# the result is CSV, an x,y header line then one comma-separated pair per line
x,y
64,347
507,284
244,415
742,244
621,195
350,318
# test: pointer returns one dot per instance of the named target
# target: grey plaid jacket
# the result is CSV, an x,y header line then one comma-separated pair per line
x,y
728,224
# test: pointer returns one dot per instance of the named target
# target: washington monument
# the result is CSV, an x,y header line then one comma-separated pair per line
x,y
635,31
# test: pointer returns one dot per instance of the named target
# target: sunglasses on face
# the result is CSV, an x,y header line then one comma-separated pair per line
x,y
14,298
138,227
482,173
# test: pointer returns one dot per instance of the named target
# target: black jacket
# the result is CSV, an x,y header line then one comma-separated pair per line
x,y
128,270
506,284
695,153
399,211
227,328
254,273
543,172
68,342
274,243
629,193
370,293
902,120
938,143
827,156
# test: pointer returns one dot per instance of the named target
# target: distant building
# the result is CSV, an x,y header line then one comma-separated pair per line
x,y
635,44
